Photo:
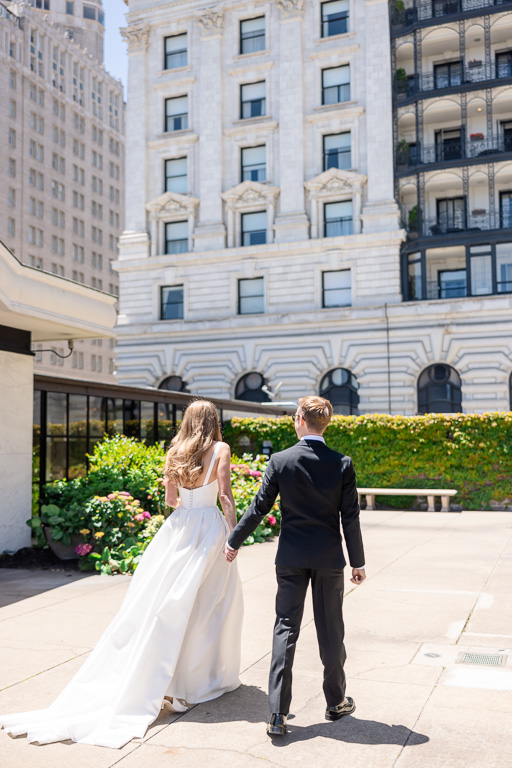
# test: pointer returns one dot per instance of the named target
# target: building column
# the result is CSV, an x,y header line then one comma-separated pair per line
x,y
134,242
210,232
292,222
380,212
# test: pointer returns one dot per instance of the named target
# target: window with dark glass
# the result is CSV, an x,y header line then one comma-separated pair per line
x,y
506,209
439,390
254,228
253,102
504,267
254,163
176,237
506,135
448,144
252,35
171,302
338,219
448,75
69,7
451,215
414,277
176,114
504,64
250,388
89,12
446,7
174,384
43,5
251,296
336,84
337,151
176,178
336,288
335,18
480,270
340,388
175,51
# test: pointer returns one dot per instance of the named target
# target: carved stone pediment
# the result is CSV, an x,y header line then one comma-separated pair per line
x,y
250,193
336,182
290,7
171,204
137,37
210,21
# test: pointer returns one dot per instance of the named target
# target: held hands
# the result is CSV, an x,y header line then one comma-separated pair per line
x,y
358,575
230,554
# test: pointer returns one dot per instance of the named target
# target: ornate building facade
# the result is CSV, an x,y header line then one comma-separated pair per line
x,y
264,244
62,158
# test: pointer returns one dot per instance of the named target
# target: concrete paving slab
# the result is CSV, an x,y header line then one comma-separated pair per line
x,y
189,757
29,658
18,753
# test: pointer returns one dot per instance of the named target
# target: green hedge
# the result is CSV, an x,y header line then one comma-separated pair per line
x,y
471,453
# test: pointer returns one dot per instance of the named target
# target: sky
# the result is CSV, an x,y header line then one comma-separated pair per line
x,y
116,57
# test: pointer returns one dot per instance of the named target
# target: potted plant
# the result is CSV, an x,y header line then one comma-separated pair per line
x,y
60,528
474,63
476,136
399,15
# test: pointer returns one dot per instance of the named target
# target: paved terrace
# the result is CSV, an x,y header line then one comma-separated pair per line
x,y
438,585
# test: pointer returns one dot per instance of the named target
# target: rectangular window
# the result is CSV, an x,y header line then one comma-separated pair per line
x,y
338,219
12,167
447,75
11,198
69,7
336,288
504,267
336,84
252,35
251,296
171,302
12,138
504,64
451,215
480,270
90,12
176,179
337,151
176,237
253,101
175,51
176,114
335,18
11,227
506,209
12,79
254,163
254,228
12,108
452,283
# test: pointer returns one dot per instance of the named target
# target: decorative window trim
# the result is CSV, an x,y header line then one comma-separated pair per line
x,y
249,197
166,208
334,186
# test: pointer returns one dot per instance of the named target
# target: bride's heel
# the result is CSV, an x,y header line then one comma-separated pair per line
x,y
175,705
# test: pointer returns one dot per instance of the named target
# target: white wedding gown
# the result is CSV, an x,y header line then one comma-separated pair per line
x,y
177,633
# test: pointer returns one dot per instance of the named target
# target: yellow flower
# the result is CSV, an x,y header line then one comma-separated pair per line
x,y
99,534
84,531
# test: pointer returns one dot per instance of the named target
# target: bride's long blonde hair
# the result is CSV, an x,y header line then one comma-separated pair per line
x,y
199,430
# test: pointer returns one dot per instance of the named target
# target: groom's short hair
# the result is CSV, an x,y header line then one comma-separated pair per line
x,y
316,412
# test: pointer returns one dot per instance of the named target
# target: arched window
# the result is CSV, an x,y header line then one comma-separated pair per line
x,y
173,384
340,388
249,387
439,390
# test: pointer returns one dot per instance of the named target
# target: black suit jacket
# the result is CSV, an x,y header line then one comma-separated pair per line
x,y
317,487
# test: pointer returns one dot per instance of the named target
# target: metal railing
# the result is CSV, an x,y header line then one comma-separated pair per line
x,y
410,156
425,10
477,220
472,73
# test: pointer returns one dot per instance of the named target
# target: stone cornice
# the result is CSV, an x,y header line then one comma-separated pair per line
x,y
327,115
210,21
163,141
257,68
337,53
335,182
250,193
171,204
178,83
242,127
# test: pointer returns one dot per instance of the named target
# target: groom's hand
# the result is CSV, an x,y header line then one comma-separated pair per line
x,y
358,575
230,554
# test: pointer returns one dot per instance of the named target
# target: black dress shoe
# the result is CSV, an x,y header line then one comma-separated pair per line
x,y
346,707
277,725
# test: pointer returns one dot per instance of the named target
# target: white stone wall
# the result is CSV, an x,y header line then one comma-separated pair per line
x,y
16,392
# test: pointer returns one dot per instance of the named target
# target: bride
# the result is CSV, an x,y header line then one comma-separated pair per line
x,y
176,638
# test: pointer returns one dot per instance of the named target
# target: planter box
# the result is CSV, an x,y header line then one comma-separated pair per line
x,y
474,64
476,137
478,212
62,551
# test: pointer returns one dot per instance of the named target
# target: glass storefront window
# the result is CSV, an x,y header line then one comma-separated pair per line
x,y
78,415
165,422
131,418
97,416
147,422
114,416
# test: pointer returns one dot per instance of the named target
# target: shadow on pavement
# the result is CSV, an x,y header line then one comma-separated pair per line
x,y
354,731
19,584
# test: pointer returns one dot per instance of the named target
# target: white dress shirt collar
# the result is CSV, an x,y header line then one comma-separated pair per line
x,y
313,437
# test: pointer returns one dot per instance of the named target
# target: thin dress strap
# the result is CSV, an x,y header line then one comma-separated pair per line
x,y
212,462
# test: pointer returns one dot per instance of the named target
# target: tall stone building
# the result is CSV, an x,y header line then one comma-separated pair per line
x,y
61,156
265,247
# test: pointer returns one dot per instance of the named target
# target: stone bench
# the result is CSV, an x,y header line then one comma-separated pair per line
x,y
430,493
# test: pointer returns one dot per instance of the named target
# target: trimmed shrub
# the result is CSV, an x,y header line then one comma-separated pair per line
x,y
471,453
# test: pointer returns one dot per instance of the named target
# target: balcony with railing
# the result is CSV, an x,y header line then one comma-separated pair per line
x,y
404,14
454,151
474,73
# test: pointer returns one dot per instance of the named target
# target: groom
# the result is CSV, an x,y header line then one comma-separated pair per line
x,y
317,486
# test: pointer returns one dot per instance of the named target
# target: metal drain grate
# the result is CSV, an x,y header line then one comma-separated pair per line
x,y
483,659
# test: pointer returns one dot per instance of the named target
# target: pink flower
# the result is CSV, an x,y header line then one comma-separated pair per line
x,y
139,518
146,515
150,496
271,520
124,493
111,496
83,549
255,473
